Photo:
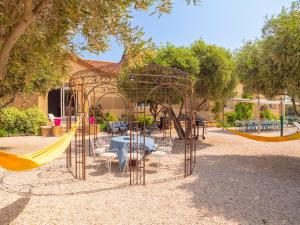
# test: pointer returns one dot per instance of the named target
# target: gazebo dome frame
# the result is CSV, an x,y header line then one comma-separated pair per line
x,y
164,83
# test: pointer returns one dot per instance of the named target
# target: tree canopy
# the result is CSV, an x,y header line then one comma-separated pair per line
x,y
35,36
271,65
210,67
215,79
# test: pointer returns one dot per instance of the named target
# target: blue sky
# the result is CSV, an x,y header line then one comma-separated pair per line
x,y
226,23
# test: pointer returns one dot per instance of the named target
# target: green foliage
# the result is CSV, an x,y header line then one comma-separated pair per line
x,y
3,133
267,115
109,116
271,65
243,111
103,126
34,119
177,57
25,122
97,112
215,79
217,107
210,66
9,118
148,120
38,57
231,117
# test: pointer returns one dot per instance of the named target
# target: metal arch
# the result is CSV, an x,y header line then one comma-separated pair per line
x,y
183,94
95,71
88,81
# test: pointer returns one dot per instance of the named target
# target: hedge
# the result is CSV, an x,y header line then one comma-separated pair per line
x,y
14,121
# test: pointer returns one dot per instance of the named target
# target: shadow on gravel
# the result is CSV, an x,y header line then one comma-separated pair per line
x,y
12,211
248,189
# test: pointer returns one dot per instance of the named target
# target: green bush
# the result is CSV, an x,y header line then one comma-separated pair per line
x,y
267,115
231,117
34,120
3,133
15,121
110,117
103,126
145,119
9,118
244,111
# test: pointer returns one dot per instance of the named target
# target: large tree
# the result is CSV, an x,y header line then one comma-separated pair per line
x,y
281,38
35,36
271,65
211,68
215,79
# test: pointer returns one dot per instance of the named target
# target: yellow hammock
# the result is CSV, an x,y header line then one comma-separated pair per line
x,y
30,161
290,137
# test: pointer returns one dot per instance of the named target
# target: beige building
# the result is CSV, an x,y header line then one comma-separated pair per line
x,y
55,100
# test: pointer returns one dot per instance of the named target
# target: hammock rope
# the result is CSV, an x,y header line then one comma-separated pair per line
x,y
14,162
290,137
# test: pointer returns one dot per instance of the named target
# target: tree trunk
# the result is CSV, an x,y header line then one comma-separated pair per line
x,y
202,105
154,110
17,31
177,124
8,102
180,110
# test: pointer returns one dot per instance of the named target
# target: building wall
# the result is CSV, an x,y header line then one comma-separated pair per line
x,y
25,101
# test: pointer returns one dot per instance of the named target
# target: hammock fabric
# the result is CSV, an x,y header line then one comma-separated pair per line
x,y
291,137
13,162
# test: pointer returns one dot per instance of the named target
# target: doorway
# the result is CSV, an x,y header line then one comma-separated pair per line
x,y
54,102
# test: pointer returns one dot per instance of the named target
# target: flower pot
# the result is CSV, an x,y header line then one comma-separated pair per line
x,y
92,120
57,122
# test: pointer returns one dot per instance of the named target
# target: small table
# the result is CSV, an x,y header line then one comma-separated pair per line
x,y
46,131
56,131
121,145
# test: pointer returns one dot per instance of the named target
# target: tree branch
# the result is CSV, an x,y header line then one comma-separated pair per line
x,y
201,105
18,30
8,102
180,110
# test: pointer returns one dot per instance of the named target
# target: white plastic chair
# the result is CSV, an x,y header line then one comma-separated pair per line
x,y
163,148
97,151
101,151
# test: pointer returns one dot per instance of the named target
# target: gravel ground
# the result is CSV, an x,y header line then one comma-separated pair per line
x,y
236,181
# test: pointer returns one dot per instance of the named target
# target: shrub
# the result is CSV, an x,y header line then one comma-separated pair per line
x,y
231,117
267,115
3,133
110,117
103,126
145,119
34,120
15,121
97,112
244,111
8,120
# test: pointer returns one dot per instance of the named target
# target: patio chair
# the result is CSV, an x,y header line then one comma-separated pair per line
x,y
239,125
104,141
97,151
101,151
113,128
163,148
51,117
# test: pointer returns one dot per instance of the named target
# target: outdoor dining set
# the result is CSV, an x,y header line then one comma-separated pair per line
x,y
253,125
108,149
